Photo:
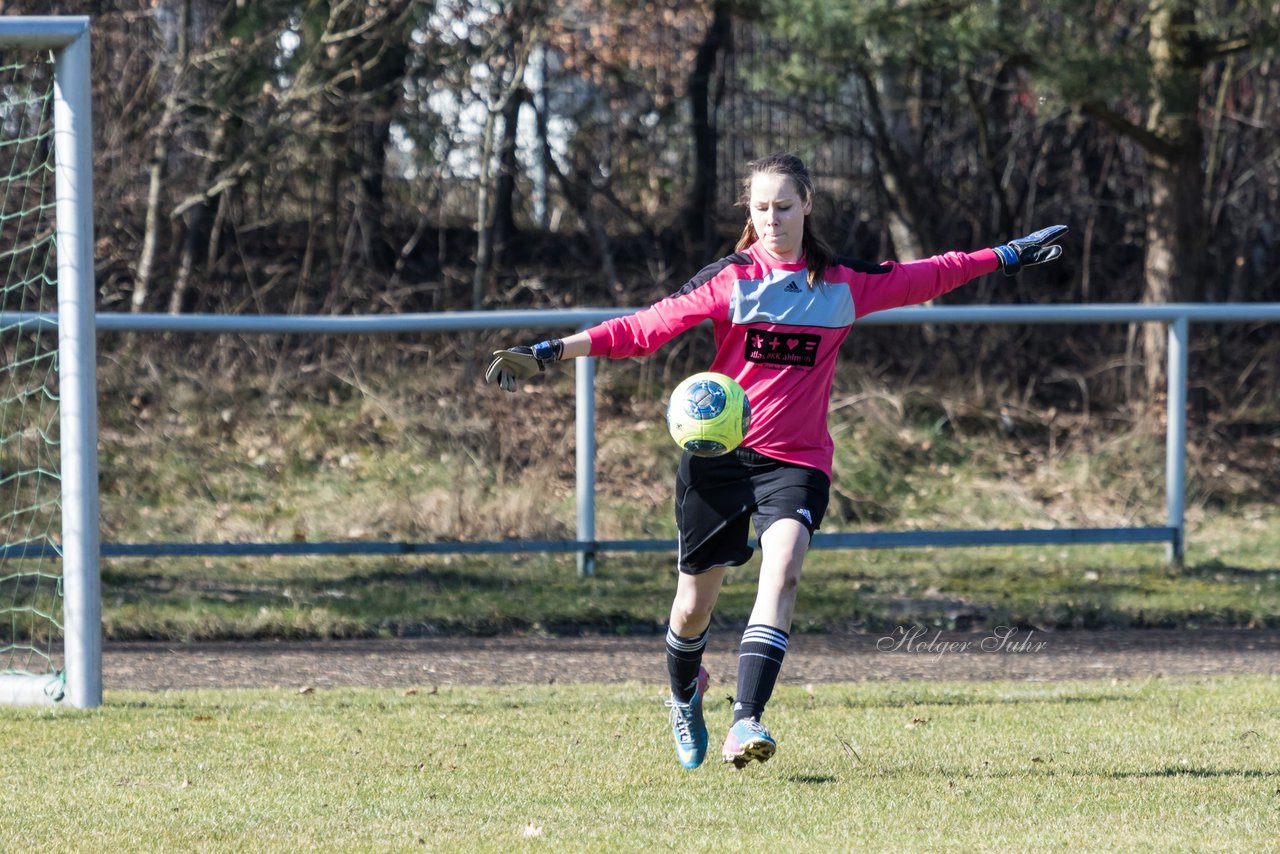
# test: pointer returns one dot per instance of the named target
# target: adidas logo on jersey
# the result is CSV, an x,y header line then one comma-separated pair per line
x,y
792,287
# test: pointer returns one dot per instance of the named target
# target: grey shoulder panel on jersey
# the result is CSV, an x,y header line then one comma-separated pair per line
x,y
785,298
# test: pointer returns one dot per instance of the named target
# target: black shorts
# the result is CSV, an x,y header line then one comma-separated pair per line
x,y
718,497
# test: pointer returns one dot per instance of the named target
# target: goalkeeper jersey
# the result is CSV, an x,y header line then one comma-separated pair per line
x,y
779,337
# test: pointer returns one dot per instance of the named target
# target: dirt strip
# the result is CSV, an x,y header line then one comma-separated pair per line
x,y
907,653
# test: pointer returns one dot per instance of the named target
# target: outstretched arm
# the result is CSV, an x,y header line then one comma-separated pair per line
x,y
628,335
915,282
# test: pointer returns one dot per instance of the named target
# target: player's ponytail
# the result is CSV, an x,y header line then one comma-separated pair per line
x,y
817,253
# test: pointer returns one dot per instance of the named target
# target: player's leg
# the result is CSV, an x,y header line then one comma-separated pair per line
x,y
686,641
688,627
792,501
713,506
764,643
782,548
713,514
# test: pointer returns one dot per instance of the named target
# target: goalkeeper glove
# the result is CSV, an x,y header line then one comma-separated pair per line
x,y
519,363
1032,249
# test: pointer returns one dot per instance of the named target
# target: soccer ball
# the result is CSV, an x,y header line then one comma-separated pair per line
x,y
708,414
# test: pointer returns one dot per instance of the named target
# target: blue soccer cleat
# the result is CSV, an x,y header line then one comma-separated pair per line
x,y
748,739
687,725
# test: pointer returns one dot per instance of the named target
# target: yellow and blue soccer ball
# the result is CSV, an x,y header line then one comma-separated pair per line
x,y
708,414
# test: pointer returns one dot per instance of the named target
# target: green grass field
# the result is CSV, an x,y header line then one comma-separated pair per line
x,y
1118,765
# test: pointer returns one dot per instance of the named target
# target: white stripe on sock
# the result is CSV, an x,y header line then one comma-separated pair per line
x,y
766,635
679,644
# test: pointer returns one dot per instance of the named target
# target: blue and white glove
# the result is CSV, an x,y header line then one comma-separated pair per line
x,y
1032,249
519,363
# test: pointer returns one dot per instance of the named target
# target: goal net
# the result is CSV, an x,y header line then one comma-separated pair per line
x,y
50,648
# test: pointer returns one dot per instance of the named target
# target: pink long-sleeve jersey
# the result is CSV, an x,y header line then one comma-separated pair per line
x,y
778,337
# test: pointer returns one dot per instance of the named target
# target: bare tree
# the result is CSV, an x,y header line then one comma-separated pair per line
x,y
173,103
516,31
1180,50
704,101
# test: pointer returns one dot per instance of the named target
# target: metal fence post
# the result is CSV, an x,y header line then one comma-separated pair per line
x,y
585,397
1176,439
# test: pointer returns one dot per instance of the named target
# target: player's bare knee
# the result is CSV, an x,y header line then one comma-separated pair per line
x,y
690,609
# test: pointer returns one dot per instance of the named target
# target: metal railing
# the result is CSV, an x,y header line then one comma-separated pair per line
x,y
1177,317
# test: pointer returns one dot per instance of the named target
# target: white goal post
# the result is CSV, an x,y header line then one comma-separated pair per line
x,y
70,667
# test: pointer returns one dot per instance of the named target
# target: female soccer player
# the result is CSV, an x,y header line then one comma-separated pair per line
x,y
780,306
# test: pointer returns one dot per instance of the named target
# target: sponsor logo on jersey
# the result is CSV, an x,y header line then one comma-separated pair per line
x,y
808,517
784,349
792,287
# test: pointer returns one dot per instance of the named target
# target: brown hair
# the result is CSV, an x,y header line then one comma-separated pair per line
x,y
817,254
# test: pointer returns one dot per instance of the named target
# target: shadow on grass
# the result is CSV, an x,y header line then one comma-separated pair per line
x,y
1204,773
1217,570
812,779
918,701
1045,769
423,577
431,577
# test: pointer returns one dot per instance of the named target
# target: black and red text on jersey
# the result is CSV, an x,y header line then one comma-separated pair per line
x,y
785,349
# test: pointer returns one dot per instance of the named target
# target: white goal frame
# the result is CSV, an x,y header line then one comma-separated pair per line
x,y
68,39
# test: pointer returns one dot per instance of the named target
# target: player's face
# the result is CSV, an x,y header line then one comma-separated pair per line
x,y
778,212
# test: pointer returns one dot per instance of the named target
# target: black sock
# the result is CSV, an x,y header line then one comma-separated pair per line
x,y
684,657
759,660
